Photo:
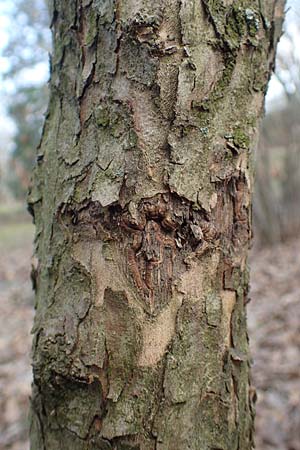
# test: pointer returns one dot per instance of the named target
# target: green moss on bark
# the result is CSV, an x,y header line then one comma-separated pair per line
x,y
142,199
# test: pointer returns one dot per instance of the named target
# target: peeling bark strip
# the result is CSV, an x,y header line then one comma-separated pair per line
x,y
141,199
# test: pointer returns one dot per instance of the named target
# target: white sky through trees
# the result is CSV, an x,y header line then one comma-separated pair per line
x,y
39,73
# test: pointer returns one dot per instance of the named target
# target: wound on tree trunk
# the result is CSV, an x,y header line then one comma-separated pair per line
x,y
141,197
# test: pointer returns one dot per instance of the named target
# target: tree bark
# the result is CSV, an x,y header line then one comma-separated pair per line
x,y
142,204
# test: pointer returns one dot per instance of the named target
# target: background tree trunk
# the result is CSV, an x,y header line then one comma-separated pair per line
x,y
141,198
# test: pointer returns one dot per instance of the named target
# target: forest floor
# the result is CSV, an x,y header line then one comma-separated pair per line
x,y
274,326
274,329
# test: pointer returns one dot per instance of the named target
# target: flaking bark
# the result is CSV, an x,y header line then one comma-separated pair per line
x,y
142,204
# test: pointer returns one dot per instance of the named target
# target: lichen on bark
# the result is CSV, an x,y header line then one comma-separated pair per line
x,y
141,198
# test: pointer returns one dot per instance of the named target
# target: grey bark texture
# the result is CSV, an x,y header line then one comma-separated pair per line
x,y
141,197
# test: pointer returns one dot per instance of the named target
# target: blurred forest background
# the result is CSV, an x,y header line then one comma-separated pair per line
x,y
274,312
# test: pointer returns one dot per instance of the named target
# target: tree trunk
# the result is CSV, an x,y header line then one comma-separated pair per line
x,y
141,198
